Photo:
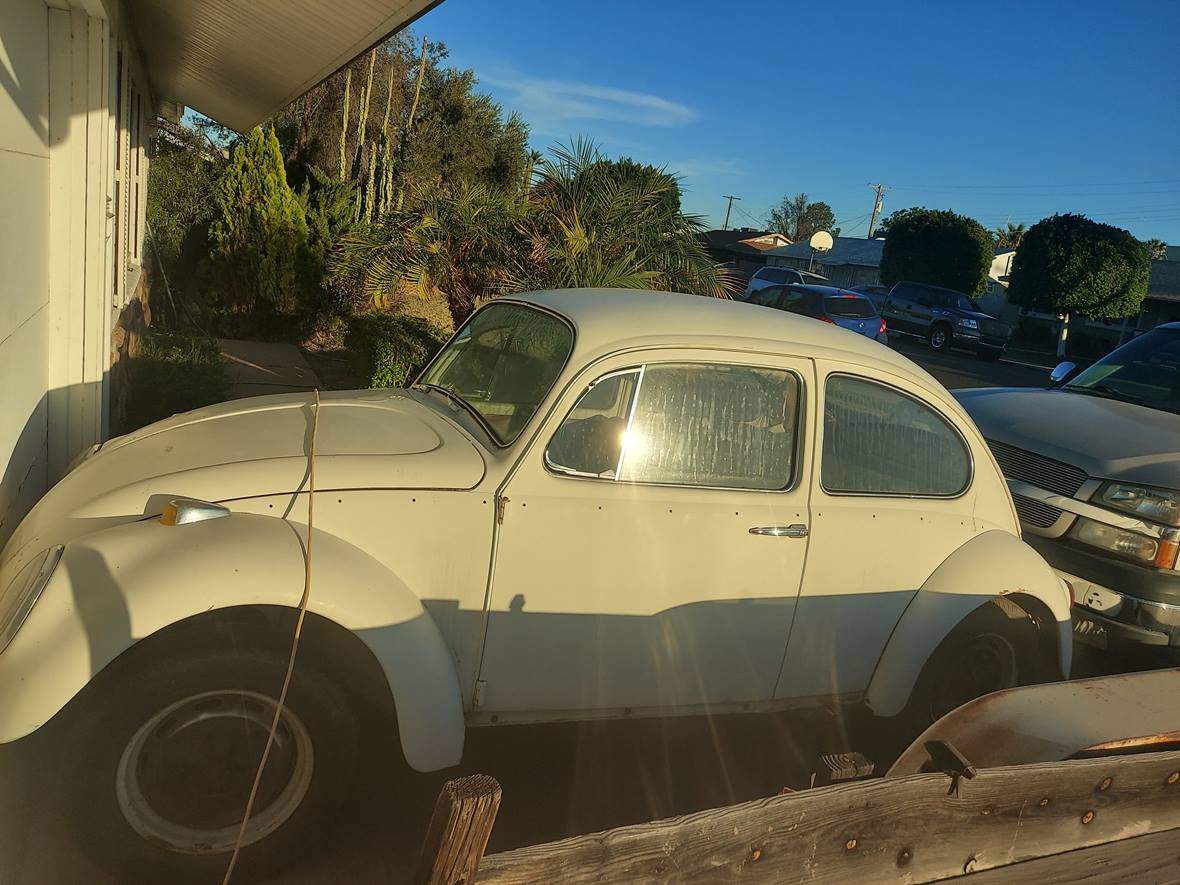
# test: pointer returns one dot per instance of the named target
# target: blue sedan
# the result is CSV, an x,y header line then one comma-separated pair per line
x,y
849,310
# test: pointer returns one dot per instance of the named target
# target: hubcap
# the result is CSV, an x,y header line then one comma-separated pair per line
x,y
984,664
185,775
938,339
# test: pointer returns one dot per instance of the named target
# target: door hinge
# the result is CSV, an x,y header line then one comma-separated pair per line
x,y
500,502
477,697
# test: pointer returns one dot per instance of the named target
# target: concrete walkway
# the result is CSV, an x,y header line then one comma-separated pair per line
x,y
255,368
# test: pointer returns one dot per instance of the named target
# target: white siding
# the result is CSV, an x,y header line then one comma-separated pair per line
x,y
24,255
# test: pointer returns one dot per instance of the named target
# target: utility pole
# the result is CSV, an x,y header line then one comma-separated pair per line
x,y
729,208
880,189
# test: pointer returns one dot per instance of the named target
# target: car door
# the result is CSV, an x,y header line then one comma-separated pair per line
x,y
892,499
653,540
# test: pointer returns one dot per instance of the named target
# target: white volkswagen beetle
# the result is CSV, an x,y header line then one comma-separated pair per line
x,y
592,504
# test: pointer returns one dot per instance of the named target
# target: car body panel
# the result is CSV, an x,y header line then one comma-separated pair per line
x,y
116,586
1106,438
981,569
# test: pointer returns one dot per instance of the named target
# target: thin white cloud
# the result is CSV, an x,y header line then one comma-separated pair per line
x,y
546,103
694,168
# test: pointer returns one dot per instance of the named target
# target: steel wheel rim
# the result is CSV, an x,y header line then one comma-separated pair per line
x,y
987,663
211,789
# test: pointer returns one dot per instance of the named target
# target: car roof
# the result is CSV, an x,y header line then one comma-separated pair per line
x,y
817,289
608,320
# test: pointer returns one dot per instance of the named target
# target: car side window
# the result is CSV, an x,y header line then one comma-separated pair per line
x,y
768,297
685,424
922,297
772,275
794,301
880,441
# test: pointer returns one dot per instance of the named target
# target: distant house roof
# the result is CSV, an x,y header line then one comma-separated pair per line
x,y
1002,250
845,250
1164,282
723,239
1173,253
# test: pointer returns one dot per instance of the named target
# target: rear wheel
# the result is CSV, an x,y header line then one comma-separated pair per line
x,y
993,648
940,338
164,767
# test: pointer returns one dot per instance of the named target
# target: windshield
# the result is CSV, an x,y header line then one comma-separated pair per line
x,y
502,363
853,306
1145,371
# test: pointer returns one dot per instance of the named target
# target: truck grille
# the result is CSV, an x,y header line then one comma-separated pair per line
x,y
1037,470
1034,512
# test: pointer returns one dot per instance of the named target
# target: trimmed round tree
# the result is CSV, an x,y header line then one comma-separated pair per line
x,y
1069,264
259,230
938,247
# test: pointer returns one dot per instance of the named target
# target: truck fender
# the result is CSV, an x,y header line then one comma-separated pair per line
x,y
994,564
117,586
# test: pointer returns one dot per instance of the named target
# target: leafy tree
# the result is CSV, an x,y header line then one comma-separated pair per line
x,y
1157,249
604,224
1069,264
798,218
1010,235
259,231
587,222
936,246
457,133
182,175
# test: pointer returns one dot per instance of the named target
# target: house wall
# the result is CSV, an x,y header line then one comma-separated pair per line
x,y
71,133
24,254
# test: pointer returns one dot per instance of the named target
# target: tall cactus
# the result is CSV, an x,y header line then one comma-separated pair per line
x,y
364,117
344,127
371,184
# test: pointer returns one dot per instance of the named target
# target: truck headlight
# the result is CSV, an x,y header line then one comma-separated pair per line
x,y
24,592
1159,552
968,323
1157,505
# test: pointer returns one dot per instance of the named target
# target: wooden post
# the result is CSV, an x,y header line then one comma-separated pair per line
x,y
459,830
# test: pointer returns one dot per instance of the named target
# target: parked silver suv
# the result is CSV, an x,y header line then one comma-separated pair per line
x,y
1093,464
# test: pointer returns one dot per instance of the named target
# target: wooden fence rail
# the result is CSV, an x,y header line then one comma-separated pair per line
x,y
1054,821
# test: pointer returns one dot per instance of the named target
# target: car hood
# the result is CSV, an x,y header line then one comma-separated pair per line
x,y
252,447
1106,438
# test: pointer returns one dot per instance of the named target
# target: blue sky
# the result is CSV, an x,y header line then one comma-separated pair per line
x,y
998,110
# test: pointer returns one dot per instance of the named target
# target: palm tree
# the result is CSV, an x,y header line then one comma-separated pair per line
x,y
587,222
599,223
1157,249
1010,235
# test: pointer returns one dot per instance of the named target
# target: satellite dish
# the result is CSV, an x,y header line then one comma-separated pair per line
x,y
821,241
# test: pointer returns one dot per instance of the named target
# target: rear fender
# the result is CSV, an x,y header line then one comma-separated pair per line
x,y
992,565
120,585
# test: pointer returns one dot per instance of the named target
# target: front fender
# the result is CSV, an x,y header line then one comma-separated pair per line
x,y
992,564
117,586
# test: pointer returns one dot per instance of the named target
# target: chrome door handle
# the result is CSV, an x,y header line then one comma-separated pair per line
x,y
798,530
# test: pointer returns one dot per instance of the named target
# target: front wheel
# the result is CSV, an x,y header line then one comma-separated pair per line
x,y
162,774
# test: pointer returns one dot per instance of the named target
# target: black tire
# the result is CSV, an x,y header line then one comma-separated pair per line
x,y
940,337
995,647
989,354
196,768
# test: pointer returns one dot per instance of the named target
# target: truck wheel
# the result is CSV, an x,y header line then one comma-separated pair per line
x,y
940,338
993,648
162,773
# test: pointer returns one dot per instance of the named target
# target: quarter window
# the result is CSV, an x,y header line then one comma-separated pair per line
x,y
880,441
686,424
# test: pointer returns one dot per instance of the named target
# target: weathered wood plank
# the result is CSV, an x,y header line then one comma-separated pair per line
x,y
1145,860
904,829
459,830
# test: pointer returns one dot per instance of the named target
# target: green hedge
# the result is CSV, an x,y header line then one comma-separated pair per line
x,y
389,350
172,374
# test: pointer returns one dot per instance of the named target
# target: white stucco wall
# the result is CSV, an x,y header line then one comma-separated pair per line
x,y
24,255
